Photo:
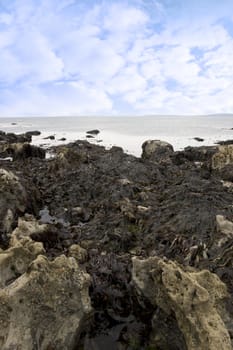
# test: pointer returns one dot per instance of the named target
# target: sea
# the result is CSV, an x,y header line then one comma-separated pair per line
x,y
127,132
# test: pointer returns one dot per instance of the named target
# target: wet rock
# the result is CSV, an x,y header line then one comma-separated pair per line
x,y
194,297
33,133
62,139
199,139
90,136
46,307
51,137
93,132
156,150
224,143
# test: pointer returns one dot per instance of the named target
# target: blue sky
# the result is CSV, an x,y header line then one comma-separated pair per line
x,y
99,57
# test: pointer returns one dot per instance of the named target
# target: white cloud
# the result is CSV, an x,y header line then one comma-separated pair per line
x,y
69,57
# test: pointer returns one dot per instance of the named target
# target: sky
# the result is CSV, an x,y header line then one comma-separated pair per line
x,y
115,57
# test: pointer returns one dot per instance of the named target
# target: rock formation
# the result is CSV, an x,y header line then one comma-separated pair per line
x,y
194,297
43,304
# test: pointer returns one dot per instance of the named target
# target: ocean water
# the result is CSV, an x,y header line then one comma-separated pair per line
x,y
127,132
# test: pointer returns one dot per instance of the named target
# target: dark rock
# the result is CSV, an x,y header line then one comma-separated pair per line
x,y
23,151
62,139
199,139
51,137
33,133
13,123
157,150
90,136
93,132
224,143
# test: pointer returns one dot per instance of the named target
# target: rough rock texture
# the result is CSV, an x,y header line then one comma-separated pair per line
x,y
193,296
156,150
223,157
102,207
46,307
15,260
13,199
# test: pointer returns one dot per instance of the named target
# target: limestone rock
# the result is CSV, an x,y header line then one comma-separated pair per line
x,y
223,157
15,260
77,252
194,297
156,150
46,307
13,199
29,226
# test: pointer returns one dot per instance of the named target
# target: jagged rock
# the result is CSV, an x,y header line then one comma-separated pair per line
x,y
223,157
13,199
46,307
29,226
194,297
77,252
156,150
15,260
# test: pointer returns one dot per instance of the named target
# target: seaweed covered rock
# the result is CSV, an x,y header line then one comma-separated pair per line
x,y
156,150
195,298
46,307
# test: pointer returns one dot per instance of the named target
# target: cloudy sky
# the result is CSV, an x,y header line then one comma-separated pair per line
x,y
116,57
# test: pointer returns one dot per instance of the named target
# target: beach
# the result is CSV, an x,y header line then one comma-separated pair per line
x,y
126,132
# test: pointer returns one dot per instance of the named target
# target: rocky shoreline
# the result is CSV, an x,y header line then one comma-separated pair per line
x,y
103,250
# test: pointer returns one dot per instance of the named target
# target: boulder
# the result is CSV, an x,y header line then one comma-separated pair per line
x,y
46,307
156,150
195,298
25,150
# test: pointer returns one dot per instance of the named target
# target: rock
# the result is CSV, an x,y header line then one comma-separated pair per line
x,y
89,136
223,157
8,138
62,139
199,139
46,307
51,137
13,199
28,226
77,252
226,172
224,143
156,150
15,260
25,150
224,226
13,123
33,133
93,132
195,298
